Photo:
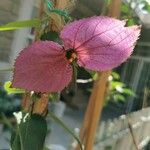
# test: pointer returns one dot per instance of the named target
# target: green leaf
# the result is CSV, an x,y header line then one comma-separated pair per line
x,y
32,133
10,90
125,8
146,6
131,22
20,24
119,97
56,119
93,74
128,92
114,84
115,75
15,141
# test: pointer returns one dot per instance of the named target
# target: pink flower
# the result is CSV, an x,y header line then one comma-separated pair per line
x,y
42,67
101,43
96,43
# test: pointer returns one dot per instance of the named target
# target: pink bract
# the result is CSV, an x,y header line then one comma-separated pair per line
x,y
101,43
42,67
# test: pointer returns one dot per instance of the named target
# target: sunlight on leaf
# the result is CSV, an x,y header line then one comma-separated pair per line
x,y
10,90
20,24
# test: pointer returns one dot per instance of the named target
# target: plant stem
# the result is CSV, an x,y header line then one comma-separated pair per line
x,y
20,137
56,119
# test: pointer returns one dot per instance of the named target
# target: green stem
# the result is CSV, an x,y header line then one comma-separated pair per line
x,y
7,122
8,69
56,119
20,137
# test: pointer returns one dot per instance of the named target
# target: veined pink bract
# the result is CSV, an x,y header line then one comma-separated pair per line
x,y
98,43
42,67
101,43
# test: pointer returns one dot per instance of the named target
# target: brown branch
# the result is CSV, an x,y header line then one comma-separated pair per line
x,y
41,105
26,102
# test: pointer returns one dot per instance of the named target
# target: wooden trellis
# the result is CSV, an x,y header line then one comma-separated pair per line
x,y
57,23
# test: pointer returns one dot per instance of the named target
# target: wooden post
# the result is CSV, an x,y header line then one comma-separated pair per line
x,y
40,105
114,8
94,109
96,105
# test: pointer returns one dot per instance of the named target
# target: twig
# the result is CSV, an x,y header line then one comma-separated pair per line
x,y
145,97
132,133
56,119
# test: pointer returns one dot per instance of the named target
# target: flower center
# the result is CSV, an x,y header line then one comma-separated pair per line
x,y
71,55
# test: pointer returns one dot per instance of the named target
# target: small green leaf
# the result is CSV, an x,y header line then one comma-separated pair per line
x,y
131,22
93,74
114,84
115,75
128,92
10,90
119,97
20,24
125,8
